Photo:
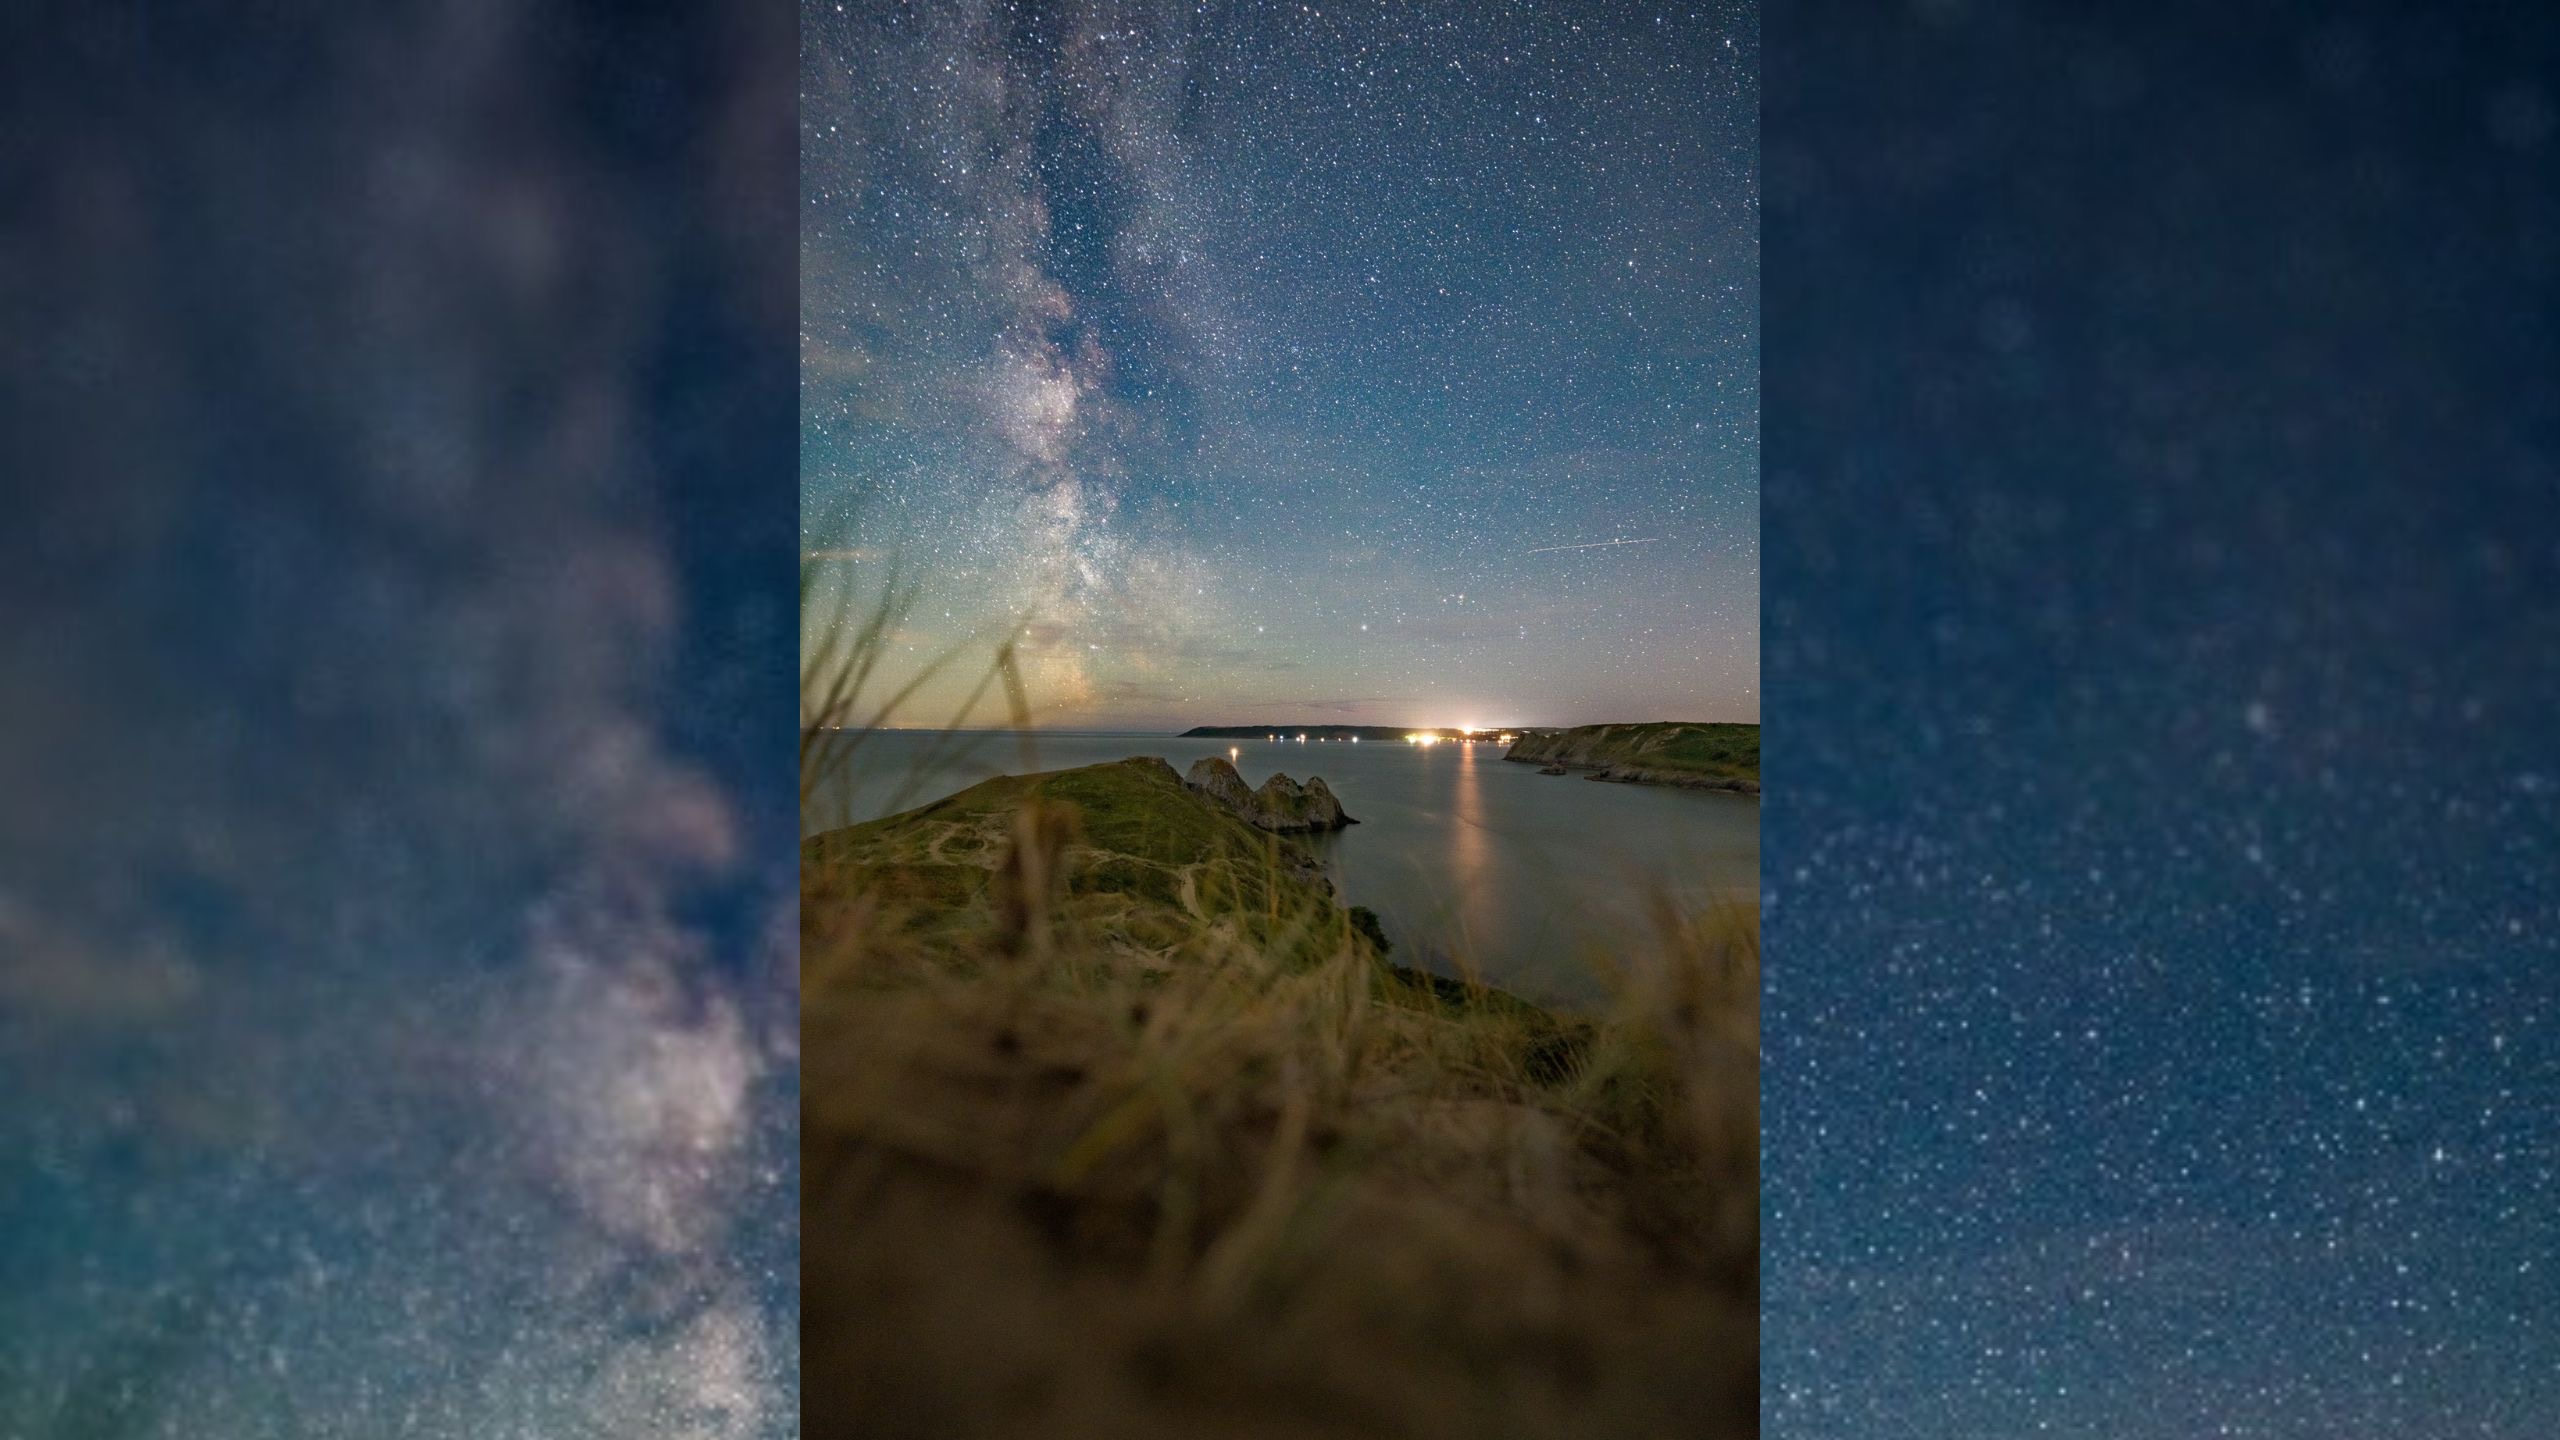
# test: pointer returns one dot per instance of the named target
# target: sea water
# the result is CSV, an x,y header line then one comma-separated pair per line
x,y
1471,861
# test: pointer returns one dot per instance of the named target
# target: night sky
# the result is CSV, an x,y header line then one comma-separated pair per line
x,y
399,1016
1261,360
2163,882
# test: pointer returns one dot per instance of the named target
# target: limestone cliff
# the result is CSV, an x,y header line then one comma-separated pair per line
x,y
1282,804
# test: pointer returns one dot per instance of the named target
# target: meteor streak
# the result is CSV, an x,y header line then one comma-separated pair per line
x,y
1594,545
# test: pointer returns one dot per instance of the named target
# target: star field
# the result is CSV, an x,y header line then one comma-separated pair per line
x,y
399,1012
2163,897
1240,354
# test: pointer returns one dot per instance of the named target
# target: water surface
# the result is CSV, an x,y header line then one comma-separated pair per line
x,y
1468,859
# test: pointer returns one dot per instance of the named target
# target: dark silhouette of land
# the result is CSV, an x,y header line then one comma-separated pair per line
x,y
1343,732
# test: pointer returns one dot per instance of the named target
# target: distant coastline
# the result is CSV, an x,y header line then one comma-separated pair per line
x,y
1687,755
1345,732
1211,732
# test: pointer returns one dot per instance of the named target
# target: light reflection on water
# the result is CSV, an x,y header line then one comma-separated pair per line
x,y
1470,862
1468,859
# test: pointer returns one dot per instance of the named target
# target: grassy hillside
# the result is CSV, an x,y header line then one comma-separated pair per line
x,y
1139,865
1665,752
1115,1122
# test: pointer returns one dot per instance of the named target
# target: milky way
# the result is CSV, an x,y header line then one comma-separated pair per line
x,y
1237,354
397,982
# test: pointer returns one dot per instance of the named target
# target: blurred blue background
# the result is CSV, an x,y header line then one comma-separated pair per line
x,y
397,983
2162,527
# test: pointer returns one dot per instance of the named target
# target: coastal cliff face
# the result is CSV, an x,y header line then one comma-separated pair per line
x,y
1281,805
1680,753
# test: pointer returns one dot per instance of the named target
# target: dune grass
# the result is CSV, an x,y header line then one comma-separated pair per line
x,y
1116,1123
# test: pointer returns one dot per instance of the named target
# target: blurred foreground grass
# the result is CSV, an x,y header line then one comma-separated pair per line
x,y
1115,1123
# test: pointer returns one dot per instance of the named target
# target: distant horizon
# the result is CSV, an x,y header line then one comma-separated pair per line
x,y
1290,726
1177,713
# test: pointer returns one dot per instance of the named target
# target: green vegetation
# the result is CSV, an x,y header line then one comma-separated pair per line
x,y
1365,920
1671,752
1134,856
1115,1122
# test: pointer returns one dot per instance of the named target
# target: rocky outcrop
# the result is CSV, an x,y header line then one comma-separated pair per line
x,y
1219,781
1282,804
